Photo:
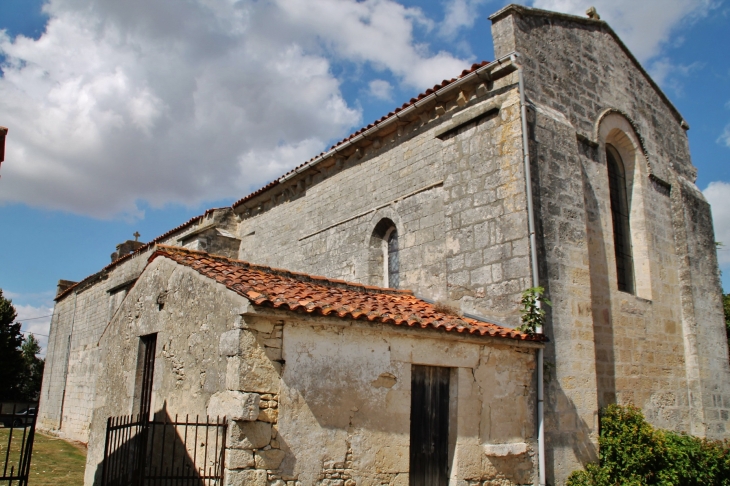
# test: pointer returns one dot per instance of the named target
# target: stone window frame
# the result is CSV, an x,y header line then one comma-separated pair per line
x,y
388,279
383,224
616,130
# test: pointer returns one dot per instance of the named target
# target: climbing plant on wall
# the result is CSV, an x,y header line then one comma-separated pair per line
x,y
533,315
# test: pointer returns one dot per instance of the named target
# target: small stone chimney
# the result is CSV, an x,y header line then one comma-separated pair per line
x,y
63,285
129,246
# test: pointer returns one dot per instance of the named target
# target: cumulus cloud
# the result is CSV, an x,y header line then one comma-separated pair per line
x,y
459,14
644,26
381,89
183,102
718,195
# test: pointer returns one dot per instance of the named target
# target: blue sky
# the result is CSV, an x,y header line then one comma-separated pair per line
x,y
135,116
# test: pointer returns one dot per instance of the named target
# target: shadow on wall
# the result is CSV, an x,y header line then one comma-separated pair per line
x,y
566,430
162,451
600,300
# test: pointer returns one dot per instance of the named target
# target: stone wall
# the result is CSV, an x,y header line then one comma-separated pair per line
x,y
457,201
660,348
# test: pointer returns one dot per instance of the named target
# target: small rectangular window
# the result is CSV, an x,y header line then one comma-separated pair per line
x,y
429,451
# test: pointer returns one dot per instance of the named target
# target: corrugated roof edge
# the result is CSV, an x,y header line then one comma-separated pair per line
x,y
302,277
81,284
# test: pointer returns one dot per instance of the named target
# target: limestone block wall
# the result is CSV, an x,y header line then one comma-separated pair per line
x,y
457,201
658,348
188,367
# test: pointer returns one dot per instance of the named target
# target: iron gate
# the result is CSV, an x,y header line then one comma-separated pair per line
x,y
16,442
142,452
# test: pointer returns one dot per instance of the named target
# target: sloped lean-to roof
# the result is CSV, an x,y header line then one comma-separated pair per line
x,y
309,294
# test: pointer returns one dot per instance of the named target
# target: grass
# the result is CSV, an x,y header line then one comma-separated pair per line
x,y
55,462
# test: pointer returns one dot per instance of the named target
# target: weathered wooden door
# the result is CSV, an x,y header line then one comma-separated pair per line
x,y
429,426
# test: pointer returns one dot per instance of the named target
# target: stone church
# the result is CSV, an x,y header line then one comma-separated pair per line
x,y
365,303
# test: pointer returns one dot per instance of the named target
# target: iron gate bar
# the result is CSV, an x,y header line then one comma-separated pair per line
x,y
131,450
26,420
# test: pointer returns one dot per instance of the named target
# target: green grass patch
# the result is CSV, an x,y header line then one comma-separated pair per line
x,y
55,462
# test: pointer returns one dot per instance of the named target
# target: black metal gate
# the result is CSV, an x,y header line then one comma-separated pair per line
x,y
142,452
16,442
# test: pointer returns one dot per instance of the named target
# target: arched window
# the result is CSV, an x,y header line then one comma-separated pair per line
x,y
390,253
620,216
384,255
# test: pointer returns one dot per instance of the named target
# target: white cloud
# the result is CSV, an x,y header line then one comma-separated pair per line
x,y
645,26
122,102
670,75
725,136
718,195
381,89
459,14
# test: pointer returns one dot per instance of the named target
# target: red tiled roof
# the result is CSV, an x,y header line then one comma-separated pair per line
x,y
393,113
299,292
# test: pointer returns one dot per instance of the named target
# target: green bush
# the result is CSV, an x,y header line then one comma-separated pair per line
x,y
632,453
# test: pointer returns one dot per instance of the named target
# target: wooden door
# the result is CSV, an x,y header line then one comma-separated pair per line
x,y
429,452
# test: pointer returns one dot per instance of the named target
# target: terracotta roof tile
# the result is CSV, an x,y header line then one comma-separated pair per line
x,y
310,294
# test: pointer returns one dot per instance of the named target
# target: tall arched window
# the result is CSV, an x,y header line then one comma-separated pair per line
x,y
620,216
384,257
390,254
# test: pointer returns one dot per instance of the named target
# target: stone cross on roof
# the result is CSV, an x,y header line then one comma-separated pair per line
x,y
136,235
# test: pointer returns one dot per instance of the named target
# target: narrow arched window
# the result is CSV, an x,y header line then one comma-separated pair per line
x,y
620,216
384,255
392,263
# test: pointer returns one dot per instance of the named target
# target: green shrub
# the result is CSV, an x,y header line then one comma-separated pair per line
x,y
633,453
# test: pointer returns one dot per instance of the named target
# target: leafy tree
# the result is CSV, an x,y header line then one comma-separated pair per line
x,y
30,380
12,364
